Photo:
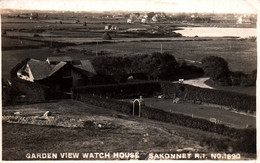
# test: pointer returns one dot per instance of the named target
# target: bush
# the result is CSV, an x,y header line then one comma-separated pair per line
x,y
127,90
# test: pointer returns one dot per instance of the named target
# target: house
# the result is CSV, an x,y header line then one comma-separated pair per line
x,y
61,74
144,20
155,18
130,21
34,15
111,27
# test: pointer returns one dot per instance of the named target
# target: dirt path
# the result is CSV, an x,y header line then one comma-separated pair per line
x,y
199,82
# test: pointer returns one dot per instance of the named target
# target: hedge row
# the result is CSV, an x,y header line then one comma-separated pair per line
x,y
160,115
235,100
127,90
119,106
239,101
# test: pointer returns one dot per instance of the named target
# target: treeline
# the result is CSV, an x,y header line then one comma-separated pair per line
x,y
157,66
217,69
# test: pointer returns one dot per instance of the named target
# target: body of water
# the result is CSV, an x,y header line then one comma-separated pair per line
x,y
218,32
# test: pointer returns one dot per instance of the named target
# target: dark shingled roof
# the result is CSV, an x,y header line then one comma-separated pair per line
x,y
86,65
39,69
56,68
42,69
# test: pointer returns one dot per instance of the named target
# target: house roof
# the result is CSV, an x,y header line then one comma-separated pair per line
x,y
86,65
39,69
42,69
59,59
56,68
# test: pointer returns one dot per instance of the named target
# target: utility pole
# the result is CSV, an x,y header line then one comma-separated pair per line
x,y
96,49
51,36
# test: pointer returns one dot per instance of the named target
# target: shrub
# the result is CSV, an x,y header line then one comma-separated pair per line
x,y
121,90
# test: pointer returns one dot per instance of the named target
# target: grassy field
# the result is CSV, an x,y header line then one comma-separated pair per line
x,y
203,111
128,134
240,54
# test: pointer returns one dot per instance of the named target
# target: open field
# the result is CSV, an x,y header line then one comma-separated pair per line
x,y
240,54
125,133
23,33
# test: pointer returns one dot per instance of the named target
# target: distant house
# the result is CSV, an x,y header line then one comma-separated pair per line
x,y
34,16
130,21
58,73
144,20
145,16
111,27
155,18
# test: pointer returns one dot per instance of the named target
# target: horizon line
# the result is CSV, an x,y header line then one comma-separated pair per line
x,y
98,11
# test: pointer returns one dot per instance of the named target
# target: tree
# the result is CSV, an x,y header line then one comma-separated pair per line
x,y
150,14
215,67
160,65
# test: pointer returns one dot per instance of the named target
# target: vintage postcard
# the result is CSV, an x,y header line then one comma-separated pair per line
x,y
129,80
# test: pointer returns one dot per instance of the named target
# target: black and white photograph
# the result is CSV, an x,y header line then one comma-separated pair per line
x,y
131,80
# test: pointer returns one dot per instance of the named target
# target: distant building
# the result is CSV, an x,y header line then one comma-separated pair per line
x,y
111,27
155,18
145,16
240,20
130,21
243,20
144,20
58,73
34,16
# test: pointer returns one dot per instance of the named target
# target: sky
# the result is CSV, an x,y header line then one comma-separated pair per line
x,y
209,6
